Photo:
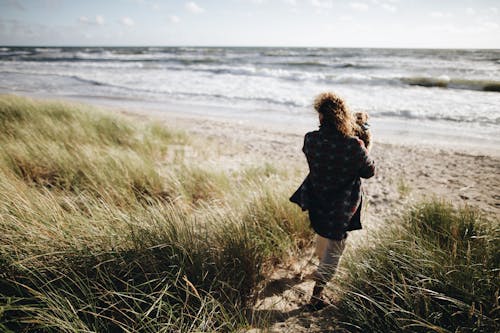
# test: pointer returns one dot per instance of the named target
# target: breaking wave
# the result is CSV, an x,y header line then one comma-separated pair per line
x,y
452,83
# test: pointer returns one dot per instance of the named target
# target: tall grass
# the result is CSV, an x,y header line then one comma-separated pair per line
x,y
437,271
110,226
100,231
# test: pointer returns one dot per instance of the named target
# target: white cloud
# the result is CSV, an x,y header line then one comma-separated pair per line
x,y
388,5
84,19
346,18
389,8
174,19
440,14
470,11
484,27
490,25
325,4
494,10
194,8
127,21
359,6
99,19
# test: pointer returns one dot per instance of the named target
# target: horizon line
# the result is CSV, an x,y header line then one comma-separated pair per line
x,y
261,46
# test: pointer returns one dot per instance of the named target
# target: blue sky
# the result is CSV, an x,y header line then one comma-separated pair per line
x,y
332,23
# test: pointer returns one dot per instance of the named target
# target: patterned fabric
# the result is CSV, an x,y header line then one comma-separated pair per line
x,y
332,190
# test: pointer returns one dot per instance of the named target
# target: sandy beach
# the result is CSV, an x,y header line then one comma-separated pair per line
x,y
406,172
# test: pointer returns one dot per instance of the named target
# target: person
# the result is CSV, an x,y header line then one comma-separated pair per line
x,y
332,192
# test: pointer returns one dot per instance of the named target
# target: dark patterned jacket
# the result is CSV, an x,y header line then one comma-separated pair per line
x,y
332,190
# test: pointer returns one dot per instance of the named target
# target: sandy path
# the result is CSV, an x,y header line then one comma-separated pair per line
x,y
405,174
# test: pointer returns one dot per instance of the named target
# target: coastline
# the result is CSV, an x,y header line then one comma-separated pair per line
x,y
417,133
408,170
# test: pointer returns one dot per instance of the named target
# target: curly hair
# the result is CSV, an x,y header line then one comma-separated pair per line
x,y
335,112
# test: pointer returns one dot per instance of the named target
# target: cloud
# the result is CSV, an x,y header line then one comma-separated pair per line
x,y
53,4
346,18
174,19
483,27
359,6
127,21
470,11
324,4
490,25
439,14
494,10
388,5
99,20
16,4
84,19
389,8
194,8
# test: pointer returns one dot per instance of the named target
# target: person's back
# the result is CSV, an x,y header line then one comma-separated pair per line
x,y
332,191
335,162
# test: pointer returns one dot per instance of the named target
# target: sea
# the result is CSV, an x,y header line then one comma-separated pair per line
x,y
431,95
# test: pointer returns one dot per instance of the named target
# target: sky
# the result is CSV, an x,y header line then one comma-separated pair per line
x,y
308,23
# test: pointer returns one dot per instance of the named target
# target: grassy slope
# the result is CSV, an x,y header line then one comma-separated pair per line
x,y
109,226
436,271
101,232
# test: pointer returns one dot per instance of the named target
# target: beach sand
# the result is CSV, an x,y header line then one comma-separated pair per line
x,y
405,173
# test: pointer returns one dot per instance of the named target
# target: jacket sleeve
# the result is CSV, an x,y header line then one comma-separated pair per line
x,y
304,146
367,169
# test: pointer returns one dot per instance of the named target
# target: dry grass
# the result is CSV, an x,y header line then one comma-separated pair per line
x,y
101,232
109,226
436,271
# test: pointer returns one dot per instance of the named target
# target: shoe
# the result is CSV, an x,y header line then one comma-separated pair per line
x,y
315,305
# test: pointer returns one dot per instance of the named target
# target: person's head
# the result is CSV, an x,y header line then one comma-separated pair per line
x,y
333,111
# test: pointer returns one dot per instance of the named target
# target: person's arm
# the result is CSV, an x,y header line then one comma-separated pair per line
x,y
304,146
367,169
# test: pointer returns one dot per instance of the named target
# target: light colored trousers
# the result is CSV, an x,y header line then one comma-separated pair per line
x,y
329,252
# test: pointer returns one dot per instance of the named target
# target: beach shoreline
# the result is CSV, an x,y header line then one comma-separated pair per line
x,y
409,169
408,132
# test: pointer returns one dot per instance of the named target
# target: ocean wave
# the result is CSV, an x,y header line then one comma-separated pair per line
x,y
303,64
136,90
453,83
231,99
73,77
415,115
47,49
107,56
84,80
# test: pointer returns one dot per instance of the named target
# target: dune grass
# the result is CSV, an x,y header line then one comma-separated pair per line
x,y
436,271
101,232
112,226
